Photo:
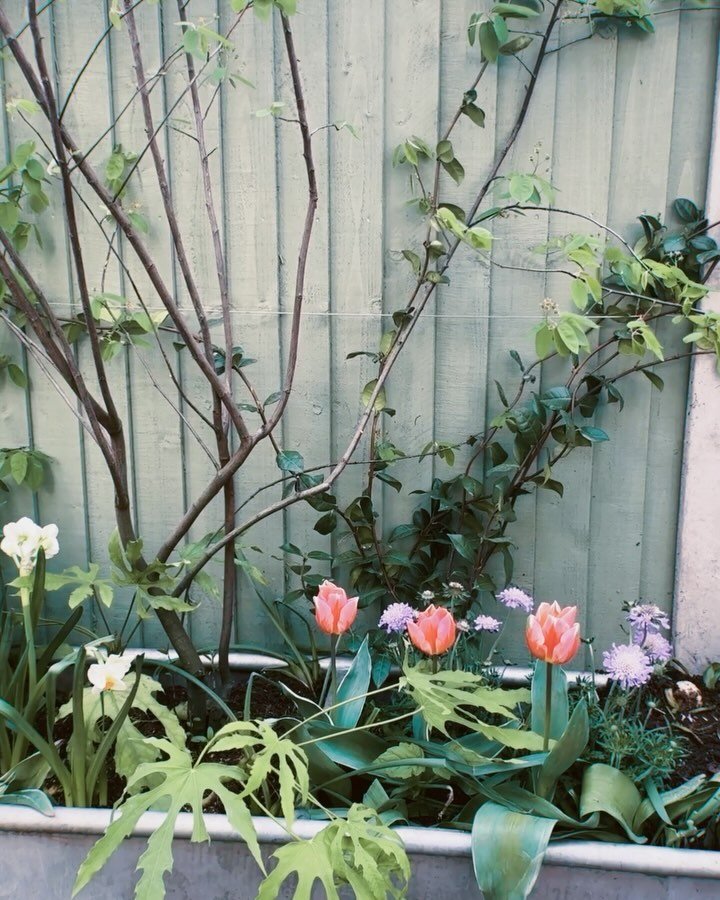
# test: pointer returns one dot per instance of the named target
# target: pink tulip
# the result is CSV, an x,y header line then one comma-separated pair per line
x,y
552,634
433,632
334,610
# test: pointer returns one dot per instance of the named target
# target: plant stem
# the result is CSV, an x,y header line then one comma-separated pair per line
x,y
29,639
548,704
329,688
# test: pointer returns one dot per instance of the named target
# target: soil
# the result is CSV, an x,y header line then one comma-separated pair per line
x,y
696,717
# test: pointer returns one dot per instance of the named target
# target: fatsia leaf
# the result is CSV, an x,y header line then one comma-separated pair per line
x,y
359,851
181,784
131,747
507,850
395,754
269,755
456,697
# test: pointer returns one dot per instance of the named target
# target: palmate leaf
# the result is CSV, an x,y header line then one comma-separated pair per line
x,y
131,748
359,851
270,754
451,698
182,784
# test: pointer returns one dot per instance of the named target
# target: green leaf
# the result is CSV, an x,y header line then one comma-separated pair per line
x,y
326,524
290,461
397,753
355,684
465,546
19,466
131,748
507,850
474,113
521,187
513,11
454,169
380,401
516,45
559,709
177,783
654,379
609,791
579,293
359,851
686,210
489,43
456,697
566,752
593,434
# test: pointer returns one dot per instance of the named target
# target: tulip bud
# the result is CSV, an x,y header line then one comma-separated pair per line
x,y
433,632
334,610
552,634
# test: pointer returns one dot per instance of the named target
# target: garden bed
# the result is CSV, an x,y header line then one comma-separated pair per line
x,y
53,848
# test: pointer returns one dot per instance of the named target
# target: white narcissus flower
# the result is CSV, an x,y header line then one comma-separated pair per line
x,y
48,541
108,675
23,539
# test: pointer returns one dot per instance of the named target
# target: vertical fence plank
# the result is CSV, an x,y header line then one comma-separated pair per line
x,y
563,540
518,294
412,71
641,149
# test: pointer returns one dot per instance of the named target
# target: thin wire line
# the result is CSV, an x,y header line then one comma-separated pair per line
x,y
217,313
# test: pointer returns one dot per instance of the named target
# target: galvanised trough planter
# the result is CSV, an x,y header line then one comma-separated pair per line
x,y
40,855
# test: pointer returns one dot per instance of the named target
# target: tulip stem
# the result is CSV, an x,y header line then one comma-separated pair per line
x,y
329,688
548,704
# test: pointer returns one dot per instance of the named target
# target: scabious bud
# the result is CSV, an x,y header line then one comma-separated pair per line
x,y
433,632
552,634
334,610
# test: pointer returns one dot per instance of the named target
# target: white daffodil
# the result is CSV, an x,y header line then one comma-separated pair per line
x,y
108,675
48,541
22,540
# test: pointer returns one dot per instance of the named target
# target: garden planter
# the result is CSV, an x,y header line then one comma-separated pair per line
x,y
46,852
41,855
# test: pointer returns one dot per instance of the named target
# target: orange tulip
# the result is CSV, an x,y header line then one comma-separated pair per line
x,y
334,610
433,632
552,634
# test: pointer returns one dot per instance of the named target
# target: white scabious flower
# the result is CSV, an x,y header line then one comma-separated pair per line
x,y
108,674
22,540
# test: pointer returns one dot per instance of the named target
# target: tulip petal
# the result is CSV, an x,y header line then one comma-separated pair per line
x,y
347,615
418,638
567,646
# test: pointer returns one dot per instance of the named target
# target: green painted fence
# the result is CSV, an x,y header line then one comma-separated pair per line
x,y
623,127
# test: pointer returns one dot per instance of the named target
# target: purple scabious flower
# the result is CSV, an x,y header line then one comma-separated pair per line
x,y
487,623
514,598
658,648
628,664
645,619
395,618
